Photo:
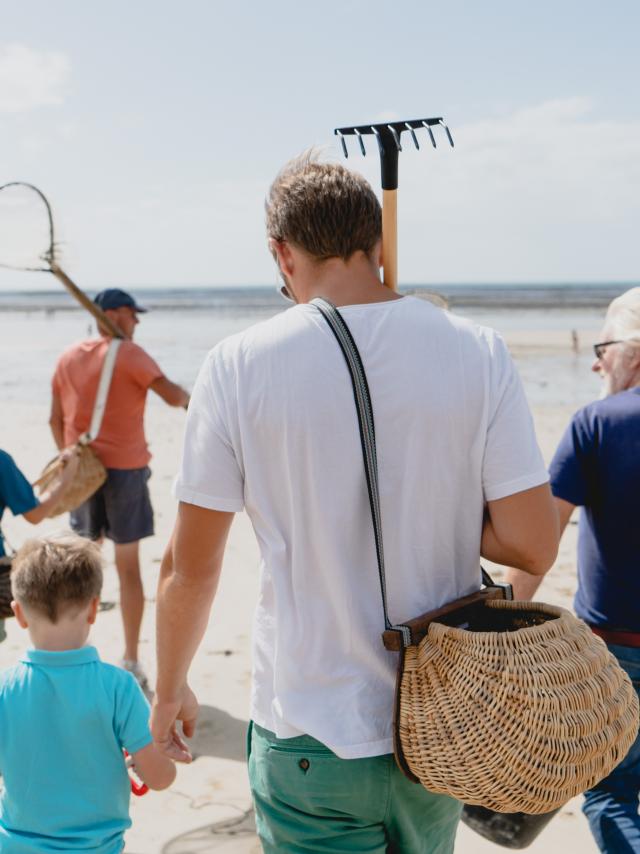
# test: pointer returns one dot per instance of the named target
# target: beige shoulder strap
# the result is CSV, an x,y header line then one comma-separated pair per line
x,y
103,391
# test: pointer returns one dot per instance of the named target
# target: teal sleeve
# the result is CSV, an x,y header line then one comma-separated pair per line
x,y
132,715
15,490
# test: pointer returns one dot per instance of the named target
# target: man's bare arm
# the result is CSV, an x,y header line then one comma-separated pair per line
x,y
171,393
189,576
525,585
56,422
521,530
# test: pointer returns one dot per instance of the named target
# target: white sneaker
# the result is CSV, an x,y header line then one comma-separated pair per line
x,y
135,668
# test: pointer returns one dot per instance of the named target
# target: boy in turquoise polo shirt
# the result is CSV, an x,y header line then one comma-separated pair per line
x,y
65,716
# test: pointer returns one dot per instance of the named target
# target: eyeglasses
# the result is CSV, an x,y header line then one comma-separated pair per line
x,y
599,348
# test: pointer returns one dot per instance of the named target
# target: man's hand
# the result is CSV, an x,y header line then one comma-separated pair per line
x,y
164,719
70,459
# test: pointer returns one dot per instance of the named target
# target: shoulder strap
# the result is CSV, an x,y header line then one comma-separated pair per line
x,y
103,390
367,439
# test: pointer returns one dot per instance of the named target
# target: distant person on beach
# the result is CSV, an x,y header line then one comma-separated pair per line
x,y
65,717
597,468
17,494
272,428
121,509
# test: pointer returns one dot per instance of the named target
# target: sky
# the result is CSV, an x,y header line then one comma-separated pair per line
x,y
155,128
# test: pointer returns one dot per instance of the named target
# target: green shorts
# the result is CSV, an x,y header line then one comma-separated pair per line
x,y
308,800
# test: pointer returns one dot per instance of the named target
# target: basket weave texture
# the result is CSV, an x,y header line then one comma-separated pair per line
x,y
89,478
515,721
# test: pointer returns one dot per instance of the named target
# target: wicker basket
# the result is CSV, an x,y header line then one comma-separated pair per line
x,y
519,712
89,478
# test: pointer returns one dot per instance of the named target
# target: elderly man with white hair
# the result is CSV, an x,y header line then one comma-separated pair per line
x,y
597,468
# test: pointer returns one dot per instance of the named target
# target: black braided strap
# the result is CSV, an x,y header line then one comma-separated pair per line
x,y
367,439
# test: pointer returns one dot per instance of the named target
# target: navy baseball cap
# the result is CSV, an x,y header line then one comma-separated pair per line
x,y
115,298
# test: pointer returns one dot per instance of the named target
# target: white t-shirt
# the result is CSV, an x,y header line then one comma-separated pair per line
x,y
272,427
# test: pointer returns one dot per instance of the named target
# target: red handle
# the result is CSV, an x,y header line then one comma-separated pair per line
x,y
137,789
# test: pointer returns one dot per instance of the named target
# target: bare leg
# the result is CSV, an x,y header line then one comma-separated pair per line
x,y
131,595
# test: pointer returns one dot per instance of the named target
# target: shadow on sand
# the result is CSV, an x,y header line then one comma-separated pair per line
x,y
237,835
219,734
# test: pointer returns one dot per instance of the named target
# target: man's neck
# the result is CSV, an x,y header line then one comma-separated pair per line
x,y
353,282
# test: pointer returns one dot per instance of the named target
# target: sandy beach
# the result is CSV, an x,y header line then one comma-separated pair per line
x,y
208,807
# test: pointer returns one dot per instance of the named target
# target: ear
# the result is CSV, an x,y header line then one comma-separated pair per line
x,y
281,251
16,607
634,357
93,610
376,254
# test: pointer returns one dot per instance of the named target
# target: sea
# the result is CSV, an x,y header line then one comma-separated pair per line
x,y
184,323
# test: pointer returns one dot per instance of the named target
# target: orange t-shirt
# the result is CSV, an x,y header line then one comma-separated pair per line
x,y
121,443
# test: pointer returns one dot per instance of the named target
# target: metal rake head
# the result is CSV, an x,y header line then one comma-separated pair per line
x,y
389,138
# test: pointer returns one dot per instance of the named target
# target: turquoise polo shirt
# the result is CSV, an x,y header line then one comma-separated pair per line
x,y
64,719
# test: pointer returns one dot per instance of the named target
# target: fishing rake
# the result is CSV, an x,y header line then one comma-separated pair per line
x,y
41,256
388,137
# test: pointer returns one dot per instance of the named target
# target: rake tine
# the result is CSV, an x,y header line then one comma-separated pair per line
x,y
413,135
433,139
361,141
344,144
380,145
396,138
448,133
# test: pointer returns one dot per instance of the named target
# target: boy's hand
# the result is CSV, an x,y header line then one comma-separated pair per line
x,y
155,769
164,718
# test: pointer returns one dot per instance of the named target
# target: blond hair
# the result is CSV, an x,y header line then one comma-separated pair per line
x,y
323,208
54,573
623,317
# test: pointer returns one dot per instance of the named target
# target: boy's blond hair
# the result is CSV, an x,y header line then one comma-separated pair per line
x,y
54,573
324,209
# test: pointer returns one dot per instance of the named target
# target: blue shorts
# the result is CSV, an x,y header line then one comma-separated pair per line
x,y
120,510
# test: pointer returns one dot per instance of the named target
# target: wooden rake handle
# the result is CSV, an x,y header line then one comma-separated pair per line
x,y
390,238
85,302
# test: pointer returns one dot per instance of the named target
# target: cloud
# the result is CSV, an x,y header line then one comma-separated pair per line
x,y
550,191
31,79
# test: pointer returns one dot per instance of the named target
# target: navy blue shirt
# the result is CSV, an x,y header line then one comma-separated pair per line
x,y
15,491
597,467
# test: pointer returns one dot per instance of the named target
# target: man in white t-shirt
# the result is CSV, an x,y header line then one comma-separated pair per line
x,y
272,429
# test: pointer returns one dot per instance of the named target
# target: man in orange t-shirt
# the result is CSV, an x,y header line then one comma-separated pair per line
x,y
121,509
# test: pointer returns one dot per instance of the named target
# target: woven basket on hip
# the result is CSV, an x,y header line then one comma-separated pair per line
x,y
89,478
519,712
